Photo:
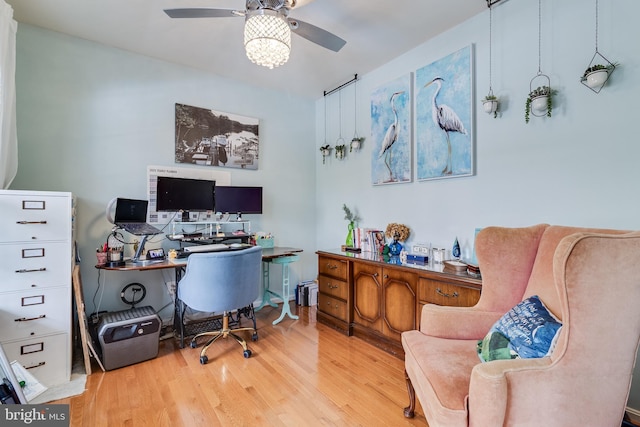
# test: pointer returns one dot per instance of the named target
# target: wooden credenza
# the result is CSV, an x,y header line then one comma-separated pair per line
x,y
376,300
36,242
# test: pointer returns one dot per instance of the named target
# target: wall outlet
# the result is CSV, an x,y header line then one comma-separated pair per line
x,y
419,248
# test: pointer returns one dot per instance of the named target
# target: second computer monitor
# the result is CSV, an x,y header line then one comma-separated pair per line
x,y
239,200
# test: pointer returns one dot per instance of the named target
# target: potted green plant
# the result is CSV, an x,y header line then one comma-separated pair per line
x,y
490,104
353,219
538,101
340,151
326,151
596,75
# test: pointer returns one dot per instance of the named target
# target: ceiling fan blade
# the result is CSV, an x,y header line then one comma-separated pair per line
x,y
317,35
202,13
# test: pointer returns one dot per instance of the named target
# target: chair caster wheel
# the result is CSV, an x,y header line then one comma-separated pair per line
x,y
204,360
254,337
247,354
193,344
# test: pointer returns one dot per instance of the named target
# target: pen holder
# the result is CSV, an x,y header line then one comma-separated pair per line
x,y
265,242
102,257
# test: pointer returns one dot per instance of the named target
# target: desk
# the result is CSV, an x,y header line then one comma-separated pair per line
x,y
283,256
275,255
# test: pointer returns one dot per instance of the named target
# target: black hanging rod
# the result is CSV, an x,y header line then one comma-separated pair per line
x,y
355,78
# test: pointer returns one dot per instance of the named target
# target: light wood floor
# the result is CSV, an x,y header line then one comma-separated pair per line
x,y
300,374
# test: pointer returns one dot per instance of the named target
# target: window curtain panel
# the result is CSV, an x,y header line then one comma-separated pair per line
x,y
8,132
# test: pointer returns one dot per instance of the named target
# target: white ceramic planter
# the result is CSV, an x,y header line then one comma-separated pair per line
x,y
539,104
596,79
355,144
490,106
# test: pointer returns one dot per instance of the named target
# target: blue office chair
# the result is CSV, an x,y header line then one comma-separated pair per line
x,y
222,282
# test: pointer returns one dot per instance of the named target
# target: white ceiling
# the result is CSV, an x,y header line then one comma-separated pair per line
x,y
375,31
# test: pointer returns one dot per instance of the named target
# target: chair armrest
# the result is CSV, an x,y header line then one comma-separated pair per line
x,y
490,384
463,323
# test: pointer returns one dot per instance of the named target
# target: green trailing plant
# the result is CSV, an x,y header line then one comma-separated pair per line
x,y
340,150
325,150
356,139
539,91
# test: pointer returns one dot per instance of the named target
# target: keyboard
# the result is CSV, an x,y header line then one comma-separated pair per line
x,y
140,229
206,248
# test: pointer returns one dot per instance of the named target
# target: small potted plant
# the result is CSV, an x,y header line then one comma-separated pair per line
x,y
597,75
539,100
326,151
340,151
356,143
490,104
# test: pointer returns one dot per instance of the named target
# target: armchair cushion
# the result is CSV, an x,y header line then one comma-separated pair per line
x,y
529,330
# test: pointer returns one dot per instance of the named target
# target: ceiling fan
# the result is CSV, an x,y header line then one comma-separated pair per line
x,y
272,13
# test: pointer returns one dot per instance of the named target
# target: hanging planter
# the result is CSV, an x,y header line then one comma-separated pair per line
x,y
340,151
490,105
539,102
599,69
326,151
356,143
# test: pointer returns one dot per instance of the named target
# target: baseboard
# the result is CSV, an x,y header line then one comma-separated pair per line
x,y
634,415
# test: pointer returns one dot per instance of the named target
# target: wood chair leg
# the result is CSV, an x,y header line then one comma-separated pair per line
x,y
409,411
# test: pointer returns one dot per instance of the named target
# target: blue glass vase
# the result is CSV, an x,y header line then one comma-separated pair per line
x,y
395,248
455,251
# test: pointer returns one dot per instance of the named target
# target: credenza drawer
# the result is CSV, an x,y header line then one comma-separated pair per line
x,y
35,217
34,265
46,358
441,293
333,287
34,313
332,306
332,267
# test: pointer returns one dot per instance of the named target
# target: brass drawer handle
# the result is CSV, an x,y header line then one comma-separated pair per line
x,y
25,319
331,266
31,222
330,286
446,295
32,270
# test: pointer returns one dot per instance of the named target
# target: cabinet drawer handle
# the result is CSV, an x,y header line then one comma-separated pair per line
x,y
32,270
25,319
31,222
330,286
35,366
331,266
446,295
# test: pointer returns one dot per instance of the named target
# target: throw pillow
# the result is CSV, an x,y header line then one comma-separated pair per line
x,y
528,330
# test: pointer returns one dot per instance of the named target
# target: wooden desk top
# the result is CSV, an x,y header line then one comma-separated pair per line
x,y
267,253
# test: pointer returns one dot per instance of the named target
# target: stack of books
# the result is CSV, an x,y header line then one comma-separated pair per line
x,y
307,293
455,267
368,239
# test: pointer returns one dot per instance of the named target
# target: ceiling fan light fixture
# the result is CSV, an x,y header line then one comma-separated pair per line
x,y
267,38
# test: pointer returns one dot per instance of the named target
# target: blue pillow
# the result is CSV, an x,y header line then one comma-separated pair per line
x,y
527,331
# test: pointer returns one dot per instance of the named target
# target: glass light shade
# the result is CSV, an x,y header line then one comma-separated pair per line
x,y
267,38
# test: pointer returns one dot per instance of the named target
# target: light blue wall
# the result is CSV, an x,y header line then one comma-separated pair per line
x,y
579,167
92,118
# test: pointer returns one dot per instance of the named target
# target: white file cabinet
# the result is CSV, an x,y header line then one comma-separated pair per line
x,y
36,261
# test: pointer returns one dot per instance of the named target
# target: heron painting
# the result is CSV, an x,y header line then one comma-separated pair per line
x,y
391,160
444,137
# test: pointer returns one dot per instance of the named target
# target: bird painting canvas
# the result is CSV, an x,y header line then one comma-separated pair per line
x,y
444,136
391,160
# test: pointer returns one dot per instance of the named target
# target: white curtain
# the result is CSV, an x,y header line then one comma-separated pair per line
x,y
8,133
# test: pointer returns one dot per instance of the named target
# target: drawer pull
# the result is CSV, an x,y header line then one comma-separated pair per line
x,y
446,295
331,266
31,222
330,286
35,366
25,319
24,270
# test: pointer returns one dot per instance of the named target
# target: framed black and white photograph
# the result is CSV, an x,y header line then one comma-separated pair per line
x,y
213,138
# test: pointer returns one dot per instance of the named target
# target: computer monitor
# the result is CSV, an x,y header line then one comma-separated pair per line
x,y
185,195
239,200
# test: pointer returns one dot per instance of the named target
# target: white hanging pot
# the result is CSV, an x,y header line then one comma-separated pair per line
x,y
355,144
539,104
596,79
490,106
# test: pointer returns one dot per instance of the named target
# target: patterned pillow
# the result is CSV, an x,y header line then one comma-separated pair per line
x,y
529,330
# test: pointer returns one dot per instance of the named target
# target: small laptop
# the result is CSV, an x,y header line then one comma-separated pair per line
x,y
131,215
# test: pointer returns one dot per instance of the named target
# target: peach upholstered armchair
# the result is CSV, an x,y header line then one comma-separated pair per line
x,y
589,279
